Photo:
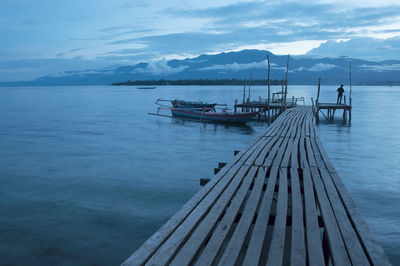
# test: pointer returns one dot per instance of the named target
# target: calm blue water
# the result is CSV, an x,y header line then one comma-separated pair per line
x,y
86,176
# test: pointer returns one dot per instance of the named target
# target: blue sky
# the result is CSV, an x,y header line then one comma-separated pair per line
x,y
40,37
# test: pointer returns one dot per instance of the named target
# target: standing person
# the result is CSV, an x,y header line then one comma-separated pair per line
x,y
340,91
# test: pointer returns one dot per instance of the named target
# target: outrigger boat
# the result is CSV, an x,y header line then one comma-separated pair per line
x,y
205,111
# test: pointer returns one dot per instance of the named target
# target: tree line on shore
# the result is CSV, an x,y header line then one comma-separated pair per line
x,y
186,82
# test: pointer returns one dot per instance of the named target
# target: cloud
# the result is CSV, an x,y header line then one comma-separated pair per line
x,y
320,67
381,68
151,30
22,70
235,66
156,68
364,48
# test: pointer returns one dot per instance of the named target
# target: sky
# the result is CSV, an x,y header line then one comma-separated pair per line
x,y
40,37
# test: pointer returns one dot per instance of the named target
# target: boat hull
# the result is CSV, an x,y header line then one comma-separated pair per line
x,y
224,117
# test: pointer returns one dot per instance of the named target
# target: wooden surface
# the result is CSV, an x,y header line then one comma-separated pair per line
x,y
278,202
333,106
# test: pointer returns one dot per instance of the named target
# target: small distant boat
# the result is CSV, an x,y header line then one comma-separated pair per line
x,y
146,88
204,111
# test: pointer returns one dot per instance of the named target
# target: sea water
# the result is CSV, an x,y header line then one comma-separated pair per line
x,y
86,175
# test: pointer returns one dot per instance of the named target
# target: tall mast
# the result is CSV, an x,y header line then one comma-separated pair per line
x,y
269,81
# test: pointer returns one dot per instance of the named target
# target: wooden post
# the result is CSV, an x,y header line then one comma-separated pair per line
x,y
317,100
236,102
319,88
269,90
204,181
221,165
350,112
250,84
244,94
350,81
350,98
283,87
345,109
287,74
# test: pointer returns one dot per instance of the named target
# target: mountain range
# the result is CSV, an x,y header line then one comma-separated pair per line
x,y
303,70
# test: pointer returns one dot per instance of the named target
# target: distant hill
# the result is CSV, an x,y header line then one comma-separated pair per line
x,y
235,65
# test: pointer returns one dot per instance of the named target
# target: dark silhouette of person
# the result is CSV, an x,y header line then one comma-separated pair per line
x,y
340,91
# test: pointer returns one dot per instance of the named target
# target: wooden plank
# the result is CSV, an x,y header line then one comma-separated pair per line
x,y
260,146
166,252
374,250
266,150
336,245
158,238
314,242
277,125
250,152
285,131
288,152
303,163
294,161
310,154
303,129
293,128
275,254
254,249
350,238
237,240
318,158
271,155
298,251
312,126
280,153
200,234
300,122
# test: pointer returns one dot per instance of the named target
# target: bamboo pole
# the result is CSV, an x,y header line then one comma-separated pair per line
x,y
287,74
250,84
269,90
244,95
319,88
350,97
283,87
244,92
317,101
350,81
236,102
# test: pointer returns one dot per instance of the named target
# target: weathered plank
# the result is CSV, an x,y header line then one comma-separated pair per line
x,y
350,238
314,242
374,250
336,245
275,254
257,237
199,236
166,252
237,240
298,252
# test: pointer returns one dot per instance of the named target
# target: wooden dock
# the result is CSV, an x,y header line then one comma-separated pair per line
x,y
279,201
268,111
331,108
